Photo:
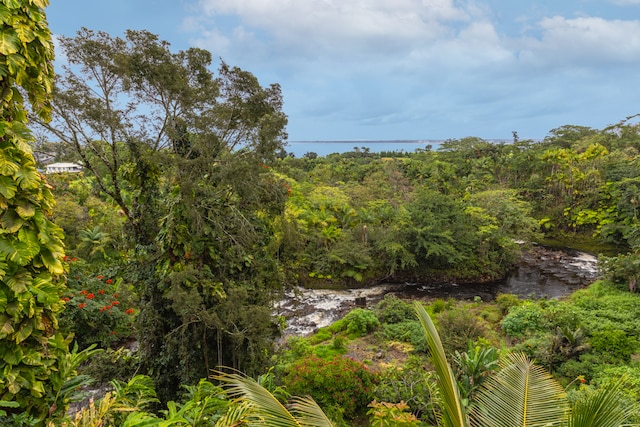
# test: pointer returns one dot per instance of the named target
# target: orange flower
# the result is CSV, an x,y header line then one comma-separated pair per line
x,y
115,303
100,277
129,311
101,292
66,299
82,305
74,259
90,296
84,292
109,281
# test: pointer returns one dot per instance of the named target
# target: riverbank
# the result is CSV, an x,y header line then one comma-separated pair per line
x,y
542,273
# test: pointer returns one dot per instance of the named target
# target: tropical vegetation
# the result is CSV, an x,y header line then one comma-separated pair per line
x,y
158,270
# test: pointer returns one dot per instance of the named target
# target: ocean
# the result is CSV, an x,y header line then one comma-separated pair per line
x,y
323,148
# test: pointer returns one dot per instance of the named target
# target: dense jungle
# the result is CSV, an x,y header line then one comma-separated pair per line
x,y
151,277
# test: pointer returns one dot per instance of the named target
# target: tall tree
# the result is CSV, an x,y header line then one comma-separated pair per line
x,y
185,153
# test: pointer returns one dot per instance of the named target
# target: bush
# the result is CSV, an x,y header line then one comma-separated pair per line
x,y
522,319
614,345
506,301
411,384
392,309
339,381
361,321
408,331
457,327
96,310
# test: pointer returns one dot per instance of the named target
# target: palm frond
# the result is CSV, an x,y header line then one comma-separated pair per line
x,y
602,408
267,409
308,413
520,394
453,413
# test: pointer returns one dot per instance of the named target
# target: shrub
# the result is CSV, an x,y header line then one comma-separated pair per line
x,y
614,345
408,331
361,321
506,301
339,381
521,319
411,384
392,309
458,326
96,311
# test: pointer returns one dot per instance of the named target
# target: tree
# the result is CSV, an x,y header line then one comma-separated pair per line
x,y
185,154
34,359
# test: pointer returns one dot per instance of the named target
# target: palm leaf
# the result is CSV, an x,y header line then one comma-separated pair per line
x,y
602,408
520,394
308,413
453,413
266,409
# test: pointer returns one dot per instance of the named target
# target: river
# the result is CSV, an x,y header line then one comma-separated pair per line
x,y
542,273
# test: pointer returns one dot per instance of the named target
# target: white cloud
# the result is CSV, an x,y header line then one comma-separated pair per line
x,y
340,26
584,41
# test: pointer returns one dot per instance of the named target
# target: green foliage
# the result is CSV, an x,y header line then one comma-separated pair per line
x,y
392,309
99,309
506,301
522,319
361,321
411,384
614,344
339,381
473,367
407,331
385,414
458,326
34,358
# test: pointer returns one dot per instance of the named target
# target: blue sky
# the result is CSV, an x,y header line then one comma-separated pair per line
x,y
407,69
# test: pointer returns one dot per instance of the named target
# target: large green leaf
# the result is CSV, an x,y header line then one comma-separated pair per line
x,y
520,394
7,187
453,413
10,221
9,41
5,14
28,178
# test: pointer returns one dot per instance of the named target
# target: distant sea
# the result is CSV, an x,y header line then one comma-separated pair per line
x,y
323,148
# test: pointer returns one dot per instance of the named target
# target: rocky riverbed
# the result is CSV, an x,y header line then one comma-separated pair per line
x,y
542,273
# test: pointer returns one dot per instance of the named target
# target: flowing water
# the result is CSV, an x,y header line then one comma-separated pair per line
x,y
543,273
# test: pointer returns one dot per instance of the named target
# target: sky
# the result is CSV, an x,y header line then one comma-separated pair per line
x,y
406,69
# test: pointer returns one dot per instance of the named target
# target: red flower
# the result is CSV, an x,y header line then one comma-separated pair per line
x,y
109,281
129,311
82,305
66,299
113,332
84,292
101,292
74,259
65,259
90,296
100,277
115,303
115,295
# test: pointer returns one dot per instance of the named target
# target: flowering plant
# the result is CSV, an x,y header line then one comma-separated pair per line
x,y
97,311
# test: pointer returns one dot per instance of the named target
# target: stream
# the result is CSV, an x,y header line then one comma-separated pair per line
x,y
542,273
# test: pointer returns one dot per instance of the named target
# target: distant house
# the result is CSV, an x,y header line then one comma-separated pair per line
x,y
63,167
